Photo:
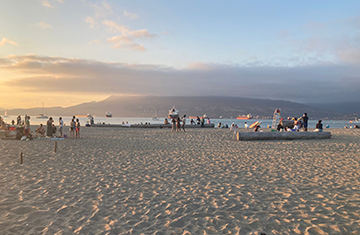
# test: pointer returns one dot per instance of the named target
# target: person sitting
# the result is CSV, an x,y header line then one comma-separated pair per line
x,y
219,125
166,121
279,127
356,126
54,130
192,122
256,128
296,124
319,126
40,131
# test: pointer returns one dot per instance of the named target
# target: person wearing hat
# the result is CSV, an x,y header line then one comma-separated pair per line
x,y
319,126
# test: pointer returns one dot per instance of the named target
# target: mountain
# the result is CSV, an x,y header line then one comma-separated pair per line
x,y
352,109
146,106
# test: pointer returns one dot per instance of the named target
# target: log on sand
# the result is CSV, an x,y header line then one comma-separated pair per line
x,y
282,135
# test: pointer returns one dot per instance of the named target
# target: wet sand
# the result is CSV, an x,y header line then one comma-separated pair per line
x,y
149,181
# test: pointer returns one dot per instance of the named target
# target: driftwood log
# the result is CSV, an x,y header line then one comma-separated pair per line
x,y
282,135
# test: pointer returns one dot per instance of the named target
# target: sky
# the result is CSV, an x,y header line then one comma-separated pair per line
x,y
66,52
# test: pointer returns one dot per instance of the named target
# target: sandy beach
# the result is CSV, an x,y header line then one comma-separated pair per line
x,y
153,181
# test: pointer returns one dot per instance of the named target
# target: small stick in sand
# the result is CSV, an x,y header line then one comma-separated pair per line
x,y
55,147
21,158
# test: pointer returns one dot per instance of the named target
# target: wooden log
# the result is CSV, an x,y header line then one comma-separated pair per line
x,y
282,135
55,146
21,158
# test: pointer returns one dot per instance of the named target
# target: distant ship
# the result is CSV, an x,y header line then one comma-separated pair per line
x,y
249,116
108,114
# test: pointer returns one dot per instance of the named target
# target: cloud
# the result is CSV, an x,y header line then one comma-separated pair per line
x,y
42,25
92,23
47,4
130,15
125,42
310,83
102,9
127,38
6,40
96,41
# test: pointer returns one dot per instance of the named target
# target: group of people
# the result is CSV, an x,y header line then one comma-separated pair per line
x,y
51,129
177,123
200,121
295,125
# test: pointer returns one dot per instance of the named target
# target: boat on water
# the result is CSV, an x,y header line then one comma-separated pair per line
x,y
108,114
6,113
173,113
156,117
41,115
249,116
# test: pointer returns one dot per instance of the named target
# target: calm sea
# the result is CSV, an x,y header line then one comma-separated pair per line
x,y
132,120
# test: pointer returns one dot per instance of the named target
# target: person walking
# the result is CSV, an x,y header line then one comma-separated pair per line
x,y
49,128
61,125
305,119
184,122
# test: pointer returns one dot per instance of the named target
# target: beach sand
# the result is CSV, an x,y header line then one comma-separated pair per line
x,y
152,181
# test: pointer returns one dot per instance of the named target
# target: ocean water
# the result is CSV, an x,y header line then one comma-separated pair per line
x,y
132,120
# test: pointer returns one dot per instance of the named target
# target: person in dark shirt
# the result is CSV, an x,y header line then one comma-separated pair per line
x,y
319,126
305,119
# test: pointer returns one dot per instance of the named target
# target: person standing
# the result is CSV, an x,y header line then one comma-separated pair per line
x,y
49,128
173,122
305,119
178,124
61,125
246,125
72,124
77,128
27,126
183,123
18,120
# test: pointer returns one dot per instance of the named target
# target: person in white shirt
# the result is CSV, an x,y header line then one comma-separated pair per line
x,y
246,125
61,125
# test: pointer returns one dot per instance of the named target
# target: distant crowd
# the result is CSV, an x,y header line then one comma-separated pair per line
x,y
51,131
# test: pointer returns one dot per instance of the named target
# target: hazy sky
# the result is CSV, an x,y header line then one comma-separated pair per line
x,y
65,52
